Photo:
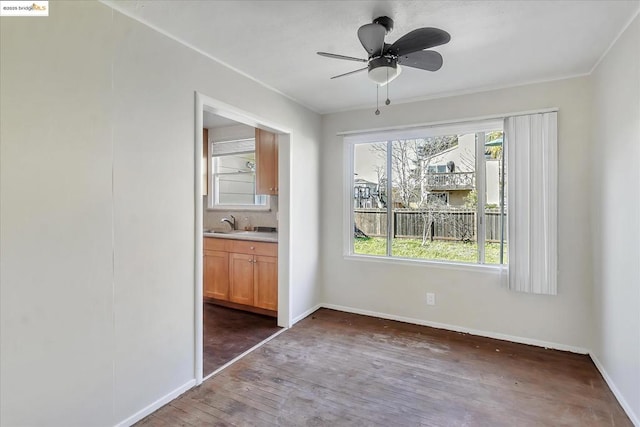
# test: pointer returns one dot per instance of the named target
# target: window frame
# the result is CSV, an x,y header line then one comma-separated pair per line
x,y
350,141
213,189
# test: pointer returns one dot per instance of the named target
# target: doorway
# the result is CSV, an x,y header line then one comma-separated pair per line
x,y
238,304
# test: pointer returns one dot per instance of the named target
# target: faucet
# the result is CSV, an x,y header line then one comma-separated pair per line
x,y
231,222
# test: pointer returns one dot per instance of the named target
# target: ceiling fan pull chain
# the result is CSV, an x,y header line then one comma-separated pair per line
x,y
388,101
377,98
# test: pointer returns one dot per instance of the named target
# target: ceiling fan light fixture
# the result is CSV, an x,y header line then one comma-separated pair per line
x,y
383,75
382,70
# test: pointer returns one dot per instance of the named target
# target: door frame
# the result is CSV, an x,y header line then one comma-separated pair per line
x,y
202,103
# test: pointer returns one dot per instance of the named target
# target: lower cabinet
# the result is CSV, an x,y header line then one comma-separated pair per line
x,y
243,273
216,274
241,279
265,282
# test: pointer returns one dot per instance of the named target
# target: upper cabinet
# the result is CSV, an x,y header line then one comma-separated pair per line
x,y
266,163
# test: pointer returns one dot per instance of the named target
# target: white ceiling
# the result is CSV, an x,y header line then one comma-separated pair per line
x,y
494,43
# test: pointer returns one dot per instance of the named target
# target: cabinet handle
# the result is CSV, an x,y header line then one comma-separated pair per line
x,y
250,260
251,247
254,261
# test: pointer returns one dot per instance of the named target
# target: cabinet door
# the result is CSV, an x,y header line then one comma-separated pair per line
x,y
266,163
241,278
265,279
216,275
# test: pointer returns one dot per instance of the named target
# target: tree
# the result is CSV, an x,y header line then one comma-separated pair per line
x,y
409,159
471,200
494,151
381,186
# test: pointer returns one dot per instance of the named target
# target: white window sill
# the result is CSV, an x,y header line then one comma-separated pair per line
x,y
483,268
239,208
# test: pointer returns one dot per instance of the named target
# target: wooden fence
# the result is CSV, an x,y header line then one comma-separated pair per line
x,y
444,224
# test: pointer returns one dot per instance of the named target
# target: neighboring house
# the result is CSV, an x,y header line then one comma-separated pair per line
x,y
450,175
366,194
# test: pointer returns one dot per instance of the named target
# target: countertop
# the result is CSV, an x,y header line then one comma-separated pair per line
x,y
256,236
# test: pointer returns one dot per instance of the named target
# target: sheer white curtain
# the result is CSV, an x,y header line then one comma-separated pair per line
x,y
531,150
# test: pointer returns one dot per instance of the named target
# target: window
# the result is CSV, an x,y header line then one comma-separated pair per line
x,y
232,176
437,168
429,194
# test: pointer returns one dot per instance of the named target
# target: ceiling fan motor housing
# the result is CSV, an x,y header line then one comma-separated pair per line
x,y
383,61
386,22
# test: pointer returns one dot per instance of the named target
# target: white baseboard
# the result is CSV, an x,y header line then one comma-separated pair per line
x,y
455,328
305,314
157,404
627,408
180,390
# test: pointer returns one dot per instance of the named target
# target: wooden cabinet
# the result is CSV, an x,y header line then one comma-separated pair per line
x,y
242,274
265,282
252,248
241,278
266,162
253,274
216,274
215,268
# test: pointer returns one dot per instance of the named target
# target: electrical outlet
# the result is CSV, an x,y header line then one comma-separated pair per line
x,y
431,298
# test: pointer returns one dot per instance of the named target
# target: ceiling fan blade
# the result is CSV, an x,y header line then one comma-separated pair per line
x,y
420,39
350,72
372,38
336,56
429,60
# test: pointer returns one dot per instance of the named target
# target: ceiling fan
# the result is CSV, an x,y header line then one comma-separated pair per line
x,y
384,60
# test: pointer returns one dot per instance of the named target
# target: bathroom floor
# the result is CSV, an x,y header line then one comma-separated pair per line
x,y
229,333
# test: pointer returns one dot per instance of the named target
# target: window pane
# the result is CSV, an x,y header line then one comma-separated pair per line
x,y
369,199
236,188
234,180
434,198
493,213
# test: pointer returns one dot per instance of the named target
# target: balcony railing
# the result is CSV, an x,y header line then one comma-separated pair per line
x,y
450,181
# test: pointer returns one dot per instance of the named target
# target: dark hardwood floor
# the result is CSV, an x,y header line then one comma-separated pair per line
x,y
339,369
229,333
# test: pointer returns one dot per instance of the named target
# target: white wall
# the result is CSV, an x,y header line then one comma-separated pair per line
x,y
615,225
470,299
56,220
97,274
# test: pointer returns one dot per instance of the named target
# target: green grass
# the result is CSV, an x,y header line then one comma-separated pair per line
x,y
437,250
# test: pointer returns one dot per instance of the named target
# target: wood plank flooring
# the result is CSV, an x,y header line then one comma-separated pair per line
x,y
228,333
342,369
